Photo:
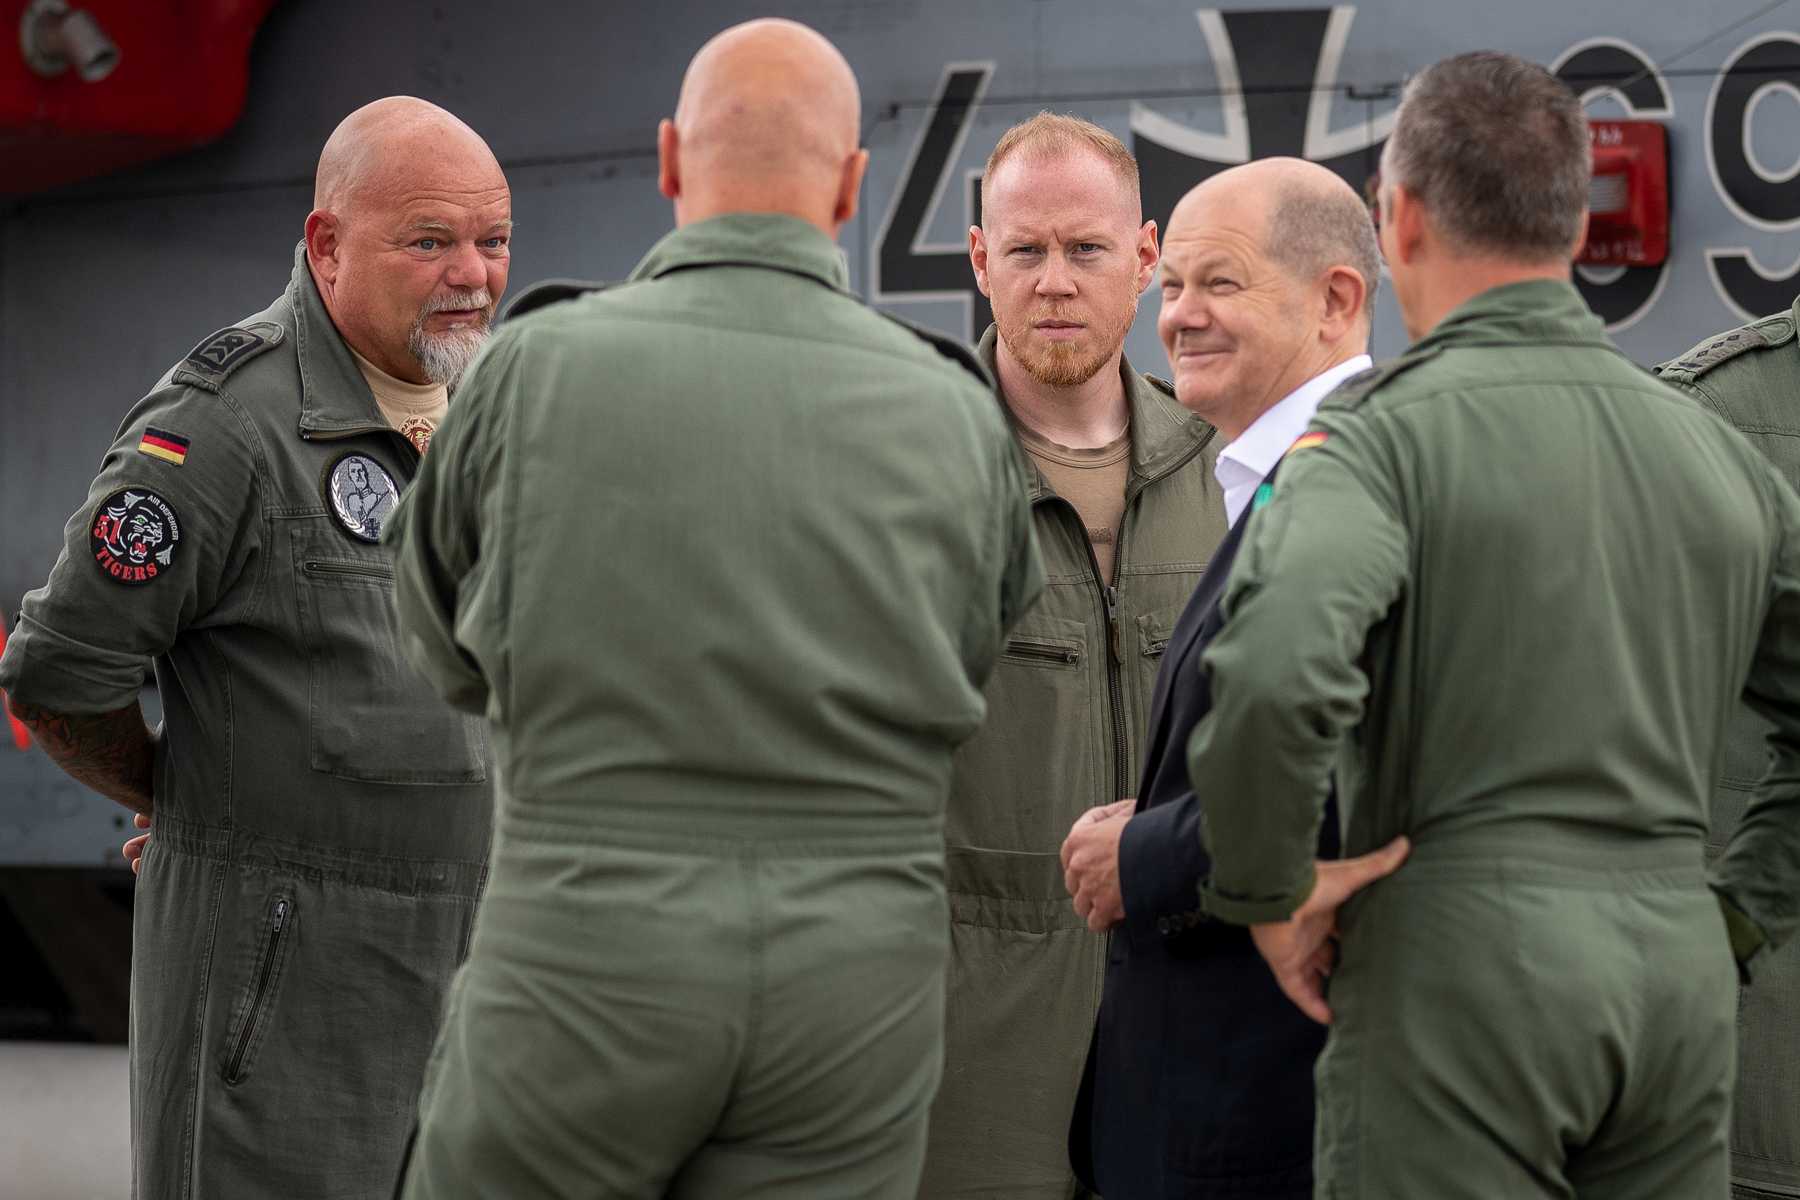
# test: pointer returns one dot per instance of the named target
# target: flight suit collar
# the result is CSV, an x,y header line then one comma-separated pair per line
x,y
772,240
1537,310
1163,434
334,397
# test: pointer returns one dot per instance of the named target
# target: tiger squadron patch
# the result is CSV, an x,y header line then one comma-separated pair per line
x,y
134,536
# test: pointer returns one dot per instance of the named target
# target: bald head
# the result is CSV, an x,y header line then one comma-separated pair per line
x,y
1308,219
769,119
396,143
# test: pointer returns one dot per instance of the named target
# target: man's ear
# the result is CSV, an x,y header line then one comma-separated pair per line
x,y
322,244
1410,224
978,258
1345,294
850,187
1148,255
668,159
1582,236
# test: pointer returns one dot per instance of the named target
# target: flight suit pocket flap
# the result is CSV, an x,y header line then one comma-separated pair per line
x,y
373,718
1156,628
1006,889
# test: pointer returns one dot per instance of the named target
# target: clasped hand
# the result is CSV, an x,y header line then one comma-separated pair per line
x,y
1090,862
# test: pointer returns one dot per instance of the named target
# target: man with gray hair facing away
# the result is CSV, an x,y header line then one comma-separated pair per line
x,y
1512,588
726,646
321,817
1199,1083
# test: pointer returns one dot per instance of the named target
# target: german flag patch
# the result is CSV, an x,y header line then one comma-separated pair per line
x,y
160,443
1307,441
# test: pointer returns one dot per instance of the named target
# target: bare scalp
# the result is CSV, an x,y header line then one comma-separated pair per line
x,y
1307,217
402,144
767,99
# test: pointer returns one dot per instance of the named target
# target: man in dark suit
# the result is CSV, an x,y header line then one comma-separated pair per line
x,y
1199,1080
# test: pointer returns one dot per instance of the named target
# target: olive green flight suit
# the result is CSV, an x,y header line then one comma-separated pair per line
x,y
725,557
321,818
1519,586
1751,377
1066,711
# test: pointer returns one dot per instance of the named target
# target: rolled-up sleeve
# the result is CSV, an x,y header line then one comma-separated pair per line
x,y
168,538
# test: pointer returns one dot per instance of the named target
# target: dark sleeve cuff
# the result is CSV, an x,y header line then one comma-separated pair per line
x,y
1161,864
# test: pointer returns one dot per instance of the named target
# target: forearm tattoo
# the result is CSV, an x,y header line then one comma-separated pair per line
x,y
113,752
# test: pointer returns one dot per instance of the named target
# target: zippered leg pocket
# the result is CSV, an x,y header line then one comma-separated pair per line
x,y
256,1005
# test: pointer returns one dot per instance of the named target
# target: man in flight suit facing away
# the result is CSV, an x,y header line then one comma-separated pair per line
x,y
724,556
321,818
1534,582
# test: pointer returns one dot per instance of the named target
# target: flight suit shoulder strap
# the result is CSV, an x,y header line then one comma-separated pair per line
x,y
212,362
951,348
1160,384
1355,391
548,292
1765,334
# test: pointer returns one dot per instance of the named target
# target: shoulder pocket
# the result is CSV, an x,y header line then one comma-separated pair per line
x,y
1156,628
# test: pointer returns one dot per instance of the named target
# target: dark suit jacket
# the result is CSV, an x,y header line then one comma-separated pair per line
x,y
1199,1079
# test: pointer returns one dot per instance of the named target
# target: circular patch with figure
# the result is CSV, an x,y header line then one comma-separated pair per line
x,y
361,494
134,536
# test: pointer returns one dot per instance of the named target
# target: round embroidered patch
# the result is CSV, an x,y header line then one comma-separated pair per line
x,y
362,495
134,536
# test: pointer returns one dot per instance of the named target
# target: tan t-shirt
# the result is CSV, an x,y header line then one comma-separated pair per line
x,y
415,409
1093,481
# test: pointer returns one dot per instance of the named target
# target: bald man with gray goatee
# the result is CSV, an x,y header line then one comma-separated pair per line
x,y
320,816
727,588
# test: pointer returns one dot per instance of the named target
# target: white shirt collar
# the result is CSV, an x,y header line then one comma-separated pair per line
x,y
1247,461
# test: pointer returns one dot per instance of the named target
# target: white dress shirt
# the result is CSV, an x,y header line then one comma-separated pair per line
x,y
1246,462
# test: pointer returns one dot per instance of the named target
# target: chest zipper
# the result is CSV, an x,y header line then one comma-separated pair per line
x,y
1115,685
278,915
1115,637
319,567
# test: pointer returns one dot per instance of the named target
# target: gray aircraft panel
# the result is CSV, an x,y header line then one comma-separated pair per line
x,y
105,285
